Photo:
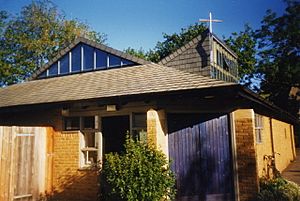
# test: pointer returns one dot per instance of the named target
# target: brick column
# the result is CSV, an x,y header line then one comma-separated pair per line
x,y
157,130
246,154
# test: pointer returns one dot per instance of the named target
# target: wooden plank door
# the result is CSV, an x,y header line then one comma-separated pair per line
x,y
200,151
23,171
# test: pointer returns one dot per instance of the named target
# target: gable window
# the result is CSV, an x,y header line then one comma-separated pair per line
x,y
88,57
258,128
114,61
76,59
53,70
89,148
82,58
101,59
64,64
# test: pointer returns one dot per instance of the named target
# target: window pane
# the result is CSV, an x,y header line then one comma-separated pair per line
x,y
53,70
101,61
88,57
139,120
64,64
114,61
126,62
76,59
72,123
89,122
43,74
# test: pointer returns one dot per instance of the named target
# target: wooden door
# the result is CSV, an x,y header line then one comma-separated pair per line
x,y
200,152
23,163
23,170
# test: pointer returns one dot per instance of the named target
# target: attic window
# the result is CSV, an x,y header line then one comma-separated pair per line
x,y
82,58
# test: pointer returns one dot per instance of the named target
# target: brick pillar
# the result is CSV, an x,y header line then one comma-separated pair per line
x,y
246,154
69,182
157,130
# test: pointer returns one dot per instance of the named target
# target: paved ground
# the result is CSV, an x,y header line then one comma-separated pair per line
x,y
292,172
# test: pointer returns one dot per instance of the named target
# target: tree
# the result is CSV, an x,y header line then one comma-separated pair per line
x,y
34,37
170,43
244,45
279,55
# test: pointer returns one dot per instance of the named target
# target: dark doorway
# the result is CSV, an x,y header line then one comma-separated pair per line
x,y
114,131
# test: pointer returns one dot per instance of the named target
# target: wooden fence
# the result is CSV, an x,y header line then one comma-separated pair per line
x,y
23,163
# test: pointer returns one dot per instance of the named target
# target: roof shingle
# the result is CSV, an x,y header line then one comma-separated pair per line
x,y
148,78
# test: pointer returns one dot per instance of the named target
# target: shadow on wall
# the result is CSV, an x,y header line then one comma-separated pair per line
x,y
76,186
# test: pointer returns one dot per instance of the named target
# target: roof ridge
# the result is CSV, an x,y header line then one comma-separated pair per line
x,y
93,44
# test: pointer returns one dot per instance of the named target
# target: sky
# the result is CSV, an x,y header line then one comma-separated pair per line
x,y
141,23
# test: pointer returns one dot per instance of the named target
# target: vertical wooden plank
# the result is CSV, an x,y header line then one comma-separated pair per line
x,y
8,162
49,168
1,161
12,162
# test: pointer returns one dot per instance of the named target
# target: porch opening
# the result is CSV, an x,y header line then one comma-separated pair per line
x,y
114,131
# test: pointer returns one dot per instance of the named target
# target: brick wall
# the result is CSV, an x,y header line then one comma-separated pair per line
x,y
246,154
282,135
70,183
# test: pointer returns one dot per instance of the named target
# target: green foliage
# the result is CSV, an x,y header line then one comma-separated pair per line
x,y
174,41
170,43
34,37
243,44
279,54
140,174
140,53
278,189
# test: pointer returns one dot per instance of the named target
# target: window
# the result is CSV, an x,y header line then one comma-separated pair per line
x,y
101,59
89,141
53,70
139,126
126,62
114,61
76,59
64,64
258,128
72,123
43,74
82,58
89,138
88,57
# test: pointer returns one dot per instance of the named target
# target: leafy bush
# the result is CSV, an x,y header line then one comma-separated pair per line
x,y
141,173
278,189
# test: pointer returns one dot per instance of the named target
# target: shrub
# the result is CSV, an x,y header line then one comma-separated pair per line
x,y
140,173
278,189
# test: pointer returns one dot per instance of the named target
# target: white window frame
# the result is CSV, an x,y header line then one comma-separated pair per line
x,y
258,125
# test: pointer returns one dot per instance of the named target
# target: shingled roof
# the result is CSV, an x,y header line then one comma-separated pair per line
x,y
144,79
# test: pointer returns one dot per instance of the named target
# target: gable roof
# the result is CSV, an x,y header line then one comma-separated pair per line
x,y
93,44
192,43
144,79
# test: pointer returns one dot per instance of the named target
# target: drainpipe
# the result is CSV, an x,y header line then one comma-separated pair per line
x,y
272,140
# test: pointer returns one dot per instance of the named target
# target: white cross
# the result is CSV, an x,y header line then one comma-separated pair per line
x,y
210,20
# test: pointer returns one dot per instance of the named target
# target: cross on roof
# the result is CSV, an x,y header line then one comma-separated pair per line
x,y
210,20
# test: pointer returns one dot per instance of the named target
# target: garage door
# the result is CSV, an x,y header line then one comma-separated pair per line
x,y
200,154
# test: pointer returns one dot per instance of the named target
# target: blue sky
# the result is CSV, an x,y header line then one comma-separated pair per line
x,y
140,23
